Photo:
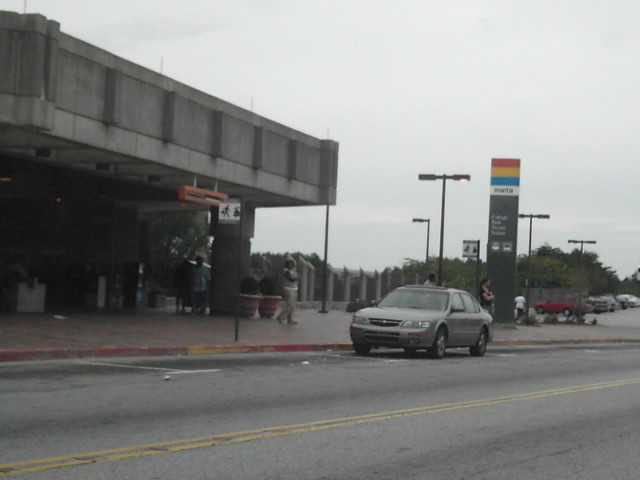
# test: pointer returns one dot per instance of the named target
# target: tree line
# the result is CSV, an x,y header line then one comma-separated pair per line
x,y
184,234
548,267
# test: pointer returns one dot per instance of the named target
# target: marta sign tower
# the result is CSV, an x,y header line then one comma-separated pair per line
x,y
503,235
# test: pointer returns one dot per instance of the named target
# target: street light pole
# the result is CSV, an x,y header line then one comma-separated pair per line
x,y
444,178
428,222
530,216
581,242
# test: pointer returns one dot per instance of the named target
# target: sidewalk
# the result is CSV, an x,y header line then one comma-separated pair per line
x,y
162,332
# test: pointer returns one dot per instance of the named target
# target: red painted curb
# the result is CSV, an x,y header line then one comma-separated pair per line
x,y
101,352
62,353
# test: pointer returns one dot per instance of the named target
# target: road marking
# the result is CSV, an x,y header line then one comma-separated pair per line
x,y
139,451
183,372
172,371
119,365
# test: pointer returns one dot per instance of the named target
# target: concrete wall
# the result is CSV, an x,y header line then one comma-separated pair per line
x,y
83,96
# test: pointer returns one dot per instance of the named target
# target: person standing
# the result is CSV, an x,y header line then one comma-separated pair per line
x,y
485,295
182,284
289,292
521,304
431,280
200,278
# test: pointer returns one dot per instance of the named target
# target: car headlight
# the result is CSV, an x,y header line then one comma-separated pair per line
x,y
360,320
415,324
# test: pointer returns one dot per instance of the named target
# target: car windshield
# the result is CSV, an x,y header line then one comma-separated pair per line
x,y
416,298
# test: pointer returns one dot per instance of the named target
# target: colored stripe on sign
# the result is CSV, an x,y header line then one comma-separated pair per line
x,y
505,162
512,181
505,172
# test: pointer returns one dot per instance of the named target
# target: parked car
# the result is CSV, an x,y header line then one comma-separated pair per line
x,y
612,302
628,300
417,317
633,301
598,304
565,305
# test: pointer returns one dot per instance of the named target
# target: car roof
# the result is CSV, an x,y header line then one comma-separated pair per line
x,y
431,287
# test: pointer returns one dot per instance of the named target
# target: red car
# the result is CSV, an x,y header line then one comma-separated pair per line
x,y
566,306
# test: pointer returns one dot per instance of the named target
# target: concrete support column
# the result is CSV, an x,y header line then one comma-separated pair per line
x,y
303,282
362,292
347,285
311,286
378,279
229,260
330,274
387,280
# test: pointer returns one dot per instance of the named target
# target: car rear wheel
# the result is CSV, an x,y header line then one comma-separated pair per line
x,y
540,310
566,312
361,348
439,344
480,348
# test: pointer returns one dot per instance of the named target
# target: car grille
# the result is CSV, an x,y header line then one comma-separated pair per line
x,y
383,322
386,337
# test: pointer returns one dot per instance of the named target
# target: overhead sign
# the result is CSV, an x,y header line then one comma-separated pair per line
x,y
229,211
200,195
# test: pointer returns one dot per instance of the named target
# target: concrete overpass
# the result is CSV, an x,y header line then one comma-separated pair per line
x,y
89,141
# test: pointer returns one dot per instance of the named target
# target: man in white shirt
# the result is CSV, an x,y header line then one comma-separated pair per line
x,y
521,304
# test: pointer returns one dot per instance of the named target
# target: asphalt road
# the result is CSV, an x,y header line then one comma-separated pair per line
x,y
525,412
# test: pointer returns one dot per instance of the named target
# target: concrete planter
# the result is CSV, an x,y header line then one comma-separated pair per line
x,y
269,305
248,305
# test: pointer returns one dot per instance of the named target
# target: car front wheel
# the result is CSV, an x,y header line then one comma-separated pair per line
x,y
361,348
540,310
480,348
566,312
439,344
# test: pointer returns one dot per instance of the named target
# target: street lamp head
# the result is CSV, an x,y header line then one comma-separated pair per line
x,y
428,176
533,215
582,241
461,178
421,220
457,177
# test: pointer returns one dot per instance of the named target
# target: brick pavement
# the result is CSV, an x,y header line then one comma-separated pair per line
x,y
162,332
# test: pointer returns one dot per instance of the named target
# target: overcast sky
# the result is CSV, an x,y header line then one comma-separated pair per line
x,y
409,87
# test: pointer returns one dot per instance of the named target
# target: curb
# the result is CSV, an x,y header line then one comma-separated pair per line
x,y
103,352
17,355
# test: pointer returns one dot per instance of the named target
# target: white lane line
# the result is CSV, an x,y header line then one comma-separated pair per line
x,y
117,365
182,372
172,371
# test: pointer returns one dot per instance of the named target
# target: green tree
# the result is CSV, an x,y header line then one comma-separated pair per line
x,y
174,236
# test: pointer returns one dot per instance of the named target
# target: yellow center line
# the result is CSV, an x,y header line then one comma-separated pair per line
x,y
115,454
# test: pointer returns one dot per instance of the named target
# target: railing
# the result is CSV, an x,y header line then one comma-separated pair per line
x,y
343,284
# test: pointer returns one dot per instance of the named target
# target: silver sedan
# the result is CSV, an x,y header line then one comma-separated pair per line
x,y
417,317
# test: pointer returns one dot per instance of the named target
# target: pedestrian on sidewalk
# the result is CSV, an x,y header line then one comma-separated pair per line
x,y
289,292
182,284
485,295
520,303
431,280
200,278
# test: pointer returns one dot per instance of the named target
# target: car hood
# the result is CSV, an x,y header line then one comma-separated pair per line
x,y
401,313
